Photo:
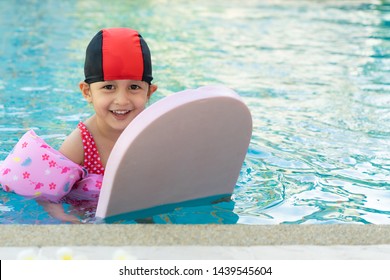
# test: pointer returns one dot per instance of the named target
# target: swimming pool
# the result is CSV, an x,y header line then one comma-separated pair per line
x,y
315,75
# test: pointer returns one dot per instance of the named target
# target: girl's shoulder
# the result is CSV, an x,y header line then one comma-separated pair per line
x,y
72,147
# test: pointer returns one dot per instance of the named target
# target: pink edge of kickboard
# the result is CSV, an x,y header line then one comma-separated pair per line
x,y
186,146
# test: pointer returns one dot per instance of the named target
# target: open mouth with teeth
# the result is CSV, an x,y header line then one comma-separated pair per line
x,y
120,113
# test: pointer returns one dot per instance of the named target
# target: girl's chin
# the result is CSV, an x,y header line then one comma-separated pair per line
x,y
120,124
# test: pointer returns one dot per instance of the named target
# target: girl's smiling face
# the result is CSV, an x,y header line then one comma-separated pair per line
x,y
117,102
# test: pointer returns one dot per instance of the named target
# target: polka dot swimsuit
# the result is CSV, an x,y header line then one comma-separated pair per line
x,y
91,155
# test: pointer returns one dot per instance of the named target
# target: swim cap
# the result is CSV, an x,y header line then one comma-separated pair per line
x,y
117,54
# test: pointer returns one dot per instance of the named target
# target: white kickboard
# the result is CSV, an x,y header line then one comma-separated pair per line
x,y
187,146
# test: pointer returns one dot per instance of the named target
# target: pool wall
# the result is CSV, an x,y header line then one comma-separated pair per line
x,y
201,241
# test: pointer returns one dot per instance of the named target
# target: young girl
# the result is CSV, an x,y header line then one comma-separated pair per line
x,y
118,75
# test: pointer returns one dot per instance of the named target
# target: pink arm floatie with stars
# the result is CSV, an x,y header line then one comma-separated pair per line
x,y
36,170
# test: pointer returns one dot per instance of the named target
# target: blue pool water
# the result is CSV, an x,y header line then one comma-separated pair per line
x,y
315,75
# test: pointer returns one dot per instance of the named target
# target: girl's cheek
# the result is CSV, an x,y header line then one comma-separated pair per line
x,y
142,103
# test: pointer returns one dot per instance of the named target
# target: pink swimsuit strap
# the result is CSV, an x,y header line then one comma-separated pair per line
x,y
91,154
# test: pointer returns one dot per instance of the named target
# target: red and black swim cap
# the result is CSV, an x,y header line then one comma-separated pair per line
x,y
117,54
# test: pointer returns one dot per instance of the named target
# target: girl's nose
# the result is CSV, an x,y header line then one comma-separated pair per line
x,y
122,97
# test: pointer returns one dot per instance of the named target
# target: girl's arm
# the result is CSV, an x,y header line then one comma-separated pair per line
x,y
56,210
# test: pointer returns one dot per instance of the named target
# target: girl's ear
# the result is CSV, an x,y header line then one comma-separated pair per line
x,y
152,89
85,90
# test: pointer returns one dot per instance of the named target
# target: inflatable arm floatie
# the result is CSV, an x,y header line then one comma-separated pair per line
x,y
36,170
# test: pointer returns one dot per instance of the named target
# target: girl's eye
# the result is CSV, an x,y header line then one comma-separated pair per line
x,y
108,87
134,87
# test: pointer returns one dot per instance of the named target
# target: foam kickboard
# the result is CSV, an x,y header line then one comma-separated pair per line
x,y
185,148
